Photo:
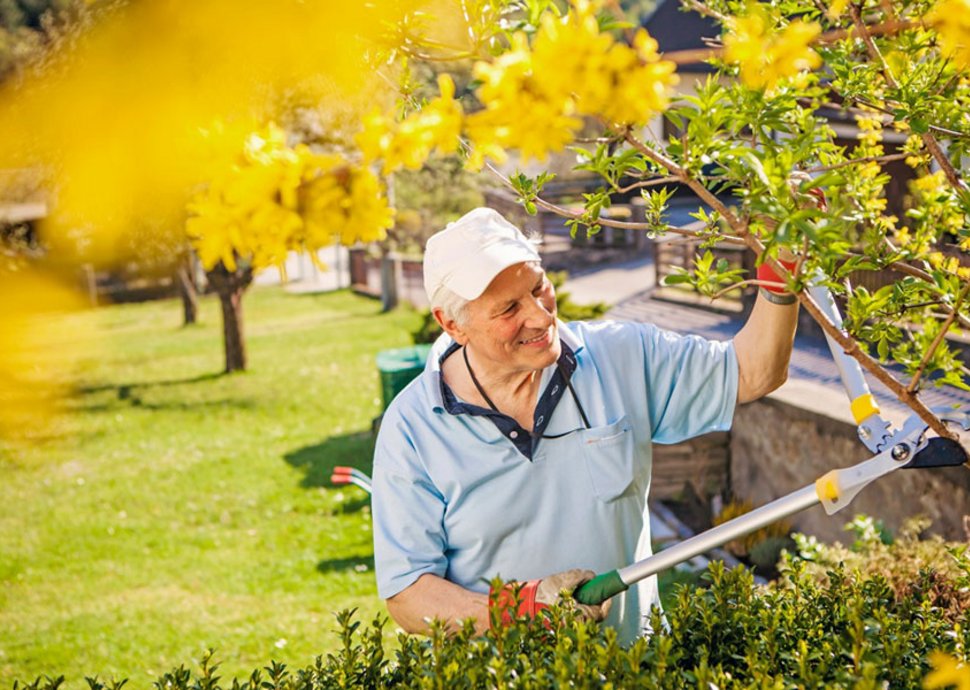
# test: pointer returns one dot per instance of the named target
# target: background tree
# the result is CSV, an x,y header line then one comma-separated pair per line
x,y
277,199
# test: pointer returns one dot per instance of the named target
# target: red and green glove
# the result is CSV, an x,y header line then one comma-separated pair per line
x,y
517,600
780,295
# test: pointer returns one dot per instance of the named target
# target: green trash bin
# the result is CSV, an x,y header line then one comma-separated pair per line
x,y
398,367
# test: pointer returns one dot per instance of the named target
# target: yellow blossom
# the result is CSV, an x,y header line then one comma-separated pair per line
x,y
278,199
951,19
407,144
765,55
930,183
39,349
519,113
536,96
836,8
142,82
869,170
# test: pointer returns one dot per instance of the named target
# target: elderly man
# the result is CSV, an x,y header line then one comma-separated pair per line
x,y
523,451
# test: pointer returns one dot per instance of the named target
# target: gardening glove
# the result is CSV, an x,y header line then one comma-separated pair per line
x,y
528,598
811,197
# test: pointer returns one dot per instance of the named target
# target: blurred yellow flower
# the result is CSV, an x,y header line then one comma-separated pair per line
x,y
766,56
947,672
37,350
951,19
278,199
930,183
407,144
536,96
118,119
836,9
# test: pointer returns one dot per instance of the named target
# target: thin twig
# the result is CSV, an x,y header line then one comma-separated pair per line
x,y
907,307
848,344
851,347
692,56
913,271
606,222
701,8
940,157
934,346
928,139
423,57
647,183
882,29
855,161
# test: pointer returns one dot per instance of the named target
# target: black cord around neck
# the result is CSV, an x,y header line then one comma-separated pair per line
x,y
481,391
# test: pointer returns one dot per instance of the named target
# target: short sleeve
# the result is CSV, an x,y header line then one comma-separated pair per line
x,y
409,537
692,384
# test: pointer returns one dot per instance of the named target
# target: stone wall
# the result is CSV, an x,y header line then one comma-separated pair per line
x,y
786,441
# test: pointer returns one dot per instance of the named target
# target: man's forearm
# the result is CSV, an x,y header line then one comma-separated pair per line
x,y
434,597
763,348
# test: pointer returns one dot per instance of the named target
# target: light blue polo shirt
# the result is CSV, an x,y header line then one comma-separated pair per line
x,y
453,496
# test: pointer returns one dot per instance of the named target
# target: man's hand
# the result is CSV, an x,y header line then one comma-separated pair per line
x,y
536,595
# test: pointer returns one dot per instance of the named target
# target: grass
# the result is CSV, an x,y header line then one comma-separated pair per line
x,y
176,509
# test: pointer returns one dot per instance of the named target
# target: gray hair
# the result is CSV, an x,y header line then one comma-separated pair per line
x,y
454,306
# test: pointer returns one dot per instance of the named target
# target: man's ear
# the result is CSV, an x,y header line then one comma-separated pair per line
x,y
450,326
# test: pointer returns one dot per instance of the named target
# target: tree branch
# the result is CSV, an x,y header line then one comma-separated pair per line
x,y
929,140
855,161
606,222
848,344
701,8
934,346
851,347
647,183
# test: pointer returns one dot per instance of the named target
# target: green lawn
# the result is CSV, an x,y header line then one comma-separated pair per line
x,y
177,509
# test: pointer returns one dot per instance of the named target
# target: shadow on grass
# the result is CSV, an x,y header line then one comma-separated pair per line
x,y
360,564
317,461
129,395
124,390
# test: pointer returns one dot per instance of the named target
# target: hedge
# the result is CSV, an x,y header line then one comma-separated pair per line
x,y
840,627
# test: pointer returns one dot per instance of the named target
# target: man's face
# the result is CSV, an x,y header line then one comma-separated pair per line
x,y
512,326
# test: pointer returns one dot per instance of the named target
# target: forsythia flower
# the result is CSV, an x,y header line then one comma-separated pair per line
x,y
766,56
520,112
279,199
535,97
951,19
409,143
916,153
930,183
836,8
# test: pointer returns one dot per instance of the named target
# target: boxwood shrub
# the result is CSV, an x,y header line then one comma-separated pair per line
x,y
841,628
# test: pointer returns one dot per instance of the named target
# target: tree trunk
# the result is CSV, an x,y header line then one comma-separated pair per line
x,y
388,282
188,291
230,287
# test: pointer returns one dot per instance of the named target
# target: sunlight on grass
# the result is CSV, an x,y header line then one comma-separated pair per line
x,y
177,509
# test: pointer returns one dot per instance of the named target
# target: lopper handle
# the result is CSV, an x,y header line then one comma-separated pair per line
x,y
600,588
873,429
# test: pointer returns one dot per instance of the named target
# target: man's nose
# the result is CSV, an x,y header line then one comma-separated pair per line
x,y
538,315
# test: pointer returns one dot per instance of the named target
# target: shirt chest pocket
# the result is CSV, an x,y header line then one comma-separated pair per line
x,y
608,453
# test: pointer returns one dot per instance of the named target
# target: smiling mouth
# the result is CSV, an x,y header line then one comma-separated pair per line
x,y
539,337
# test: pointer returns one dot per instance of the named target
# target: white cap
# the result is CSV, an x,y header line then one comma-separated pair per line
x,y
467,255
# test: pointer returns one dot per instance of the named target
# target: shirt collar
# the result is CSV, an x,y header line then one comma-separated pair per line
x,y
444,347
